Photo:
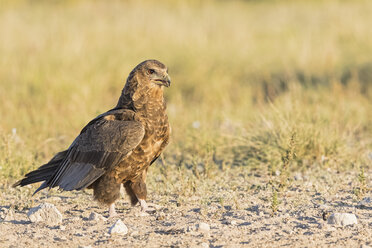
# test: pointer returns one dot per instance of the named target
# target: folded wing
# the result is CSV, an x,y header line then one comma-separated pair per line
x,y
102,144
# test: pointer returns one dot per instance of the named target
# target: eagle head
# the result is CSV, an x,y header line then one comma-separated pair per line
x,y
145,82
154,73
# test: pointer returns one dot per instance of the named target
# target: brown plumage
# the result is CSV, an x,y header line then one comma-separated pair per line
x,y
116,147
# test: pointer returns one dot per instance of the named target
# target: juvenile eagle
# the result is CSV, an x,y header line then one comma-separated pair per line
x,y
117,147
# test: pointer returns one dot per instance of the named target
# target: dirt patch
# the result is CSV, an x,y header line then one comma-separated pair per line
x,y
236,205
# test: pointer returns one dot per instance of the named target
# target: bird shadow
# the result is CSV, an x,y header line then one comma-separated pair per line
x,y
19,222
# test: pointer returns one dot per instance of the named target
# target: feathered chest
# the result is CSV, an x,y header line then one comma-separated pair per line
x,y
157,131
156,138
154,120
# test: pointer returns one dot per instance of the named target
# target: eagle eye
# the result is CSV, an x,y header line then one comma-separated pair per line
x,y
150,71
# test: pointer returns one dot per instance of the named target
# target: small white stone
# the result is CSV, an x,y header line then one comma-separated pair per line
x,y
365,202
96,217
142,214
75,219
196,124
54,199
190,228
324,207
287,230
62,228
45,212
307,184
370,155
154,206
298,177
63,238
204,245
118,228
229,222
7,214
203,227
342,219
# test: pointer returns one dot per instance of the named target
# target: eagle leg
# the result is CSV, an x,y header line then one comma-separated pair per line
x,y
137,193
132,196
112,211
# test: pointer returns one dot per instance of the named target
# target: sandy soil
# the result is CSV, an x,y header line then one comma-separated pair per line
x,y
236,206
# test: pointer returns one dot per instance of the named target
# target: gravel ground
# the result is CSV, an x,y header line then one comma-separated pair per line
x,y
232,212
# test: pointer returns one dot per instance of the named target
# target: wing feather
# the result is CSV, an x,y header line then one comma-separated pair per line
x,y
102,144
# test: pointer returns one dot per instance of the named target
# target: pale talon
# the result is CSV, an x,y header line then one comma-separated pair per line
x,y
143,205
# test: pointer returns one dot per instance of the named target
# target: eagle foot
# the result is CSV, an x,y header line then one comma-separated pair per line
x,y
146,208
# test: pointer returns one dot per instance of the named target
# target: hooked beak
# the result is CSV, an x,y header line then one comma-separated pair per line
x,y
164,81
167,81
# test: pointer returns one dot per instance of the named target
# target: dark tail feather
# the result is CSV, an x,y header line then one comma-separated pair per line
x,y
42,186
43,173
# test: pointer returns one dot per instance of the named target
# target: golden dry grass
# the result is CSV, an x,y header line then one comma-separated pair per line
x,y
246,76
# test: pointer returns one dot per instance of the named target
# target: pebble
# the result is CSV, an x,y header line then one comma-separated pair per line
x,y
324,207
75,219
342,219
63,238
233,222
118,228
141,214
190,229
298,177
6,214
288,231
96,217
54,198
204,245
230,222
203,227
45,212
370,155
365,202
62,228
196,124
155,206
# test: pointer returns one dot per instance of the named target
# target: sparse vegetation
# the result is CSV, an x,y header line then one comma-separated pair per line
x,y
287,159
274,200
362,188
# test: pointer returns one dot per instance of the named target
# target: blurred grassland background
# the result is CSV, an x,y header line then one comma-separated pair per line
x,y
252,81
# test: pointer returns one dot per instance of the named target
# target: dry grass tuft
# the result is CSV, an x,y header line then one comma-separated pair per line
x,y
247,77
